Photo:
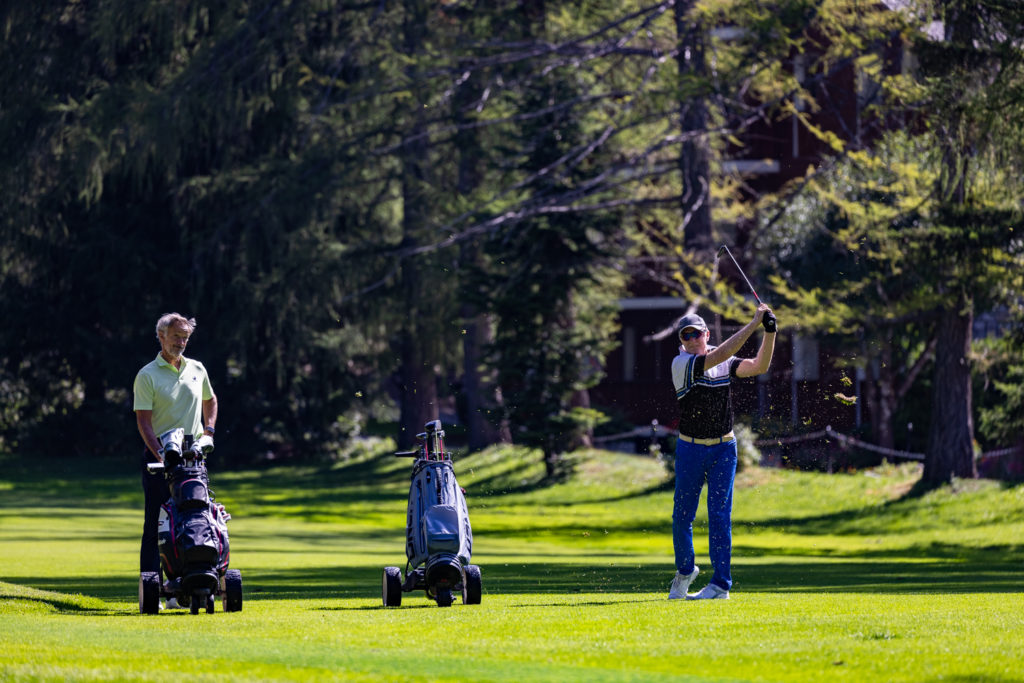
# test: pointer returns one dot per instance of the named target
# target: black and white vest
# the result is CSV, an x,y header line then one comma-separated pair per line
x,y
705,404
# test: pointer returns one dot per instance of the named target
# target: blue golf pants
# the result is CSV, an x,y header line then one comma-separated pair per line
x,y
695,466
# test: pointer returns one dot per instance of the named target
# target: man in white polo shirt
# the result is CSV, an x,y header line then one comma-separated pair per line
x,y
171,391
706,445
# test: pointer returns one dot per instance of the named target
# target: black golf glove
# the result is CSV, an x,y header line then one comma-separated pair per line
x,y
769,322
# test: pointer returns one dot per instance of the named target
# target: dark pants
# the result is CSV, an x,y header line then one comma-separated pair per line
x,y
156,491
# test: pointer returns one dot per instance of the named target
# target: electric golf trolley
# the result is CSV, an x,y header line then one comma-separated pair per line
x,y
193,535
439,540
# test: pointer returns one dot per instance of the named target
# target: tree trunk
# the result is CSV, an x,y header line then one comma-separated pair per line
x,y
480,400
693,159
950,451
483,403
585,439
886,396
418,402
418,384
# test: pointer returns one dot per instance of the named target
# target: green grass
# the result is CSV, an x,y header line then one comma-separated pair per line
x,y
841,577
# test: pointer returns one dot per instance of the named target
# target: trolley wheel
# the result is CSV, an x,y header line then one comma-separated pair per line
x,y
232,589
194,603
391,590
471,585
210,603
149,593
444,597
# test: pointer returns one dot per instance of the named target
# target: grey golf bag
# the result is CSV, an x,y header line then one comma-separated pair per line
x,y
439,539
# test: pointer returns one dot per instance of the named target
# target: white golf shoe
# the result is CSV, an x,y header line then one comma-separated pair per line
x,y
681,583
172,603
709,592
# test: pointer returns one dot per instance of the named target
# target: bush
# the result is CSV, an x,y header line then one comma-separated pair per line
x,y
747,454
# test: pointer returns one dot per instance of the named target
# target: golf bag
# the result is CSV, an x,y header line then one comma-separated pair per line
x,y
438,535
192,533
193,529
437,526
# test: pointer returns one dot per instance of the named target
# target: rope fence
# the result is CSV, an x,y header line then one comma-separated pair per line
x,y
829,433
656,431
847,440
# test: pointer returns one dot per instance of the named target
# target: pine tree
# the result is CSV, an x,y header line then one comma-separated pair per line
x,y
923,228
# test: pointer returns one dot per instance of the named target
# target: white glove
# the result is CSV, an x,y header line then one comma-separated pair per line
x,y
205,444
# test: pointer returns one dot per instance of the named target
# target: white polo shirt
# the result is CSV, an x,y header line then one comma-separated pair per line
x,y
175,396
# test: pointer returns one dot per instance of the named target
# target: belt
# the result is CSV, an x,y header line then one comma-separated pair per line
x,y
731,436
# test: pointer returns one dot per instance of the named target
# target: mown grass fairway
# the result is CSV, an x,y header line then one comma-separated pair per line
x,y
841,577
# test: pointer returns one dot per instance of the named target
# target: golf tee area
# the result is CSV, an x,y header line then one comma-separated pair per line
x,y
856,576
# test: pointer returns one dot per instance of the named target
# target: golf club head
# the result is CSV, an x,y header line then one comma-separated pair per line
x,y
171,441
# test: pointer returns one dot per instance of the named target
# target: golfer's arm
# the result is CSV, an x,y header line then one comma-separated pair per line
x,y
210,412
760,363
144,420
731,346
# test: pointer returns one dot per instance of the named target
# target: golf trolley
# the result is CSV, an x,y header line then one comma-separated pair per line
x,y
193,535
439,540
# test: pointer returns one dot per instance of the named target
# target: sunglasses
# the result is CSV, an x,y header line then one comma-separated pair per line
x,y
692,334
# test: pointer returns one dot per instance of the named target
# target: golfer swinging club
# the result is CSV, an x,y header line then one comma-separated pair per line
x,y
706,447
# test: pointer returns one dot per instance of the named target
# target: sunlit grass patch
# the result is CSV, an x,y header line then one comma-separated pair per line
x,y
836,577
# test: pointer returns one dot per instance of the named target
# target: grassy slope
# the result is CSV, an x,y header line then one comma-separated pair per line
x,y
839,576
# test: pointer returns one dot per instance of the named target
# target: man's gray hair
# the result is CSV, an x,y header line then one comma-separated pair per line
x,y
167,319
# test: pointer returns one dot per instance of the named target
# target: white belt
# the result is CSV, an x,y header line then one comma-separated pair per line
x,y
731,436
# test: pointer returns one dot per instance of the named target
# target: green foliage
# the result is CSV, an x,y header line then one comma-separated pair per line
x,y
551,282
296,176
922,229
328,187
998,368
868,257
171,180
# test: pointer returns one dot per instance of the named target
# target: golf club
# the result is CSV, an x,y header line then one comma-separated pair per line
x,y
742,274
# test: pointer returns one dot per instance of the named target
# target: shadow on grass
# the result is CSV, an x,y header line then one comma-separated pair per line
x,y
974,574
519,475
870,520
523,476
933,568
59,604
318,489
81,482
921,488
